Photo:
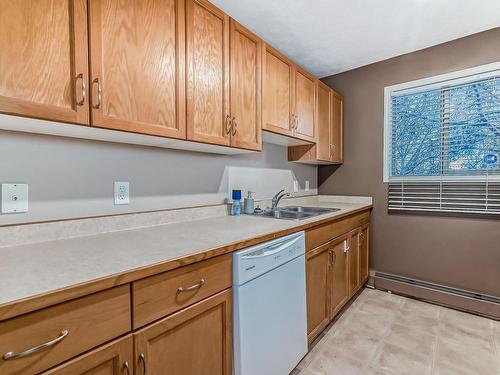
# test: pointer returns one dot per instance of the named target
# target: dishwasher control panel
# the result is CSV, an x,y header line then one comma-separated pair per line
x,y
256,260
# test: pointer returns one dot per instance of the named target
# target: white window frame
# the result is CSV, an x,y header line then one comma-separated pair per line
x,y
457,77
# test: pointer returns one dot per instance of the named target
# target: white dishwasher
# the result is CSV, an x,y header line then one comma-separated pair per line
x,y
269,302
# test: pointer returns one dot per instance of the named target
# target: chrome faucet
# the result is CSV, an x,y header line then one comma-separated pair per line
x,y
276,199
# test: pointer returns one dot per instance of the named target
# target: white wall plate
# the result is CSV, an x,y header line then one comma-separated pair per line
x,y
14,198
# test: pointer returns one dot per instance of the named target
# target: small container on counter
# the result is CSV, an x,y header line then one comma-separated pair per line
x,y
236,207
248,204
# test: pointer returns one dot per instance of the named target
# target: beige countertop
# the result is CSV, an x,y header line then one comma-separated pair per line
x,y
39,269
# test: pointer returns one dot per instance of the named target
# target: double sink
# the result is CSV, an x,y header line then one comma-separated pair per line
x,y
297,212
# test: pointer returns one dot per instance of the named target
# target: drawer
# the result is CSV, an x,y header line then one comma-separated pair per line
x,y
160,295
77,325
326,232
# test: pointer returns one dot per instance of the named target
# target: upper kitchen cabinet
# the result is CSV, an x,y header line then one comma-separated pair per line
x,y
288,97
277,92
43,59
207,53
245,88
337,128
223,79
328,147
137,66
304,105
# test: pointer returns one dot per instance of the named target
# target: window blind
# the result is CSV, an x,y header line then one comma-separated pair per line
x,y
443,196
443,142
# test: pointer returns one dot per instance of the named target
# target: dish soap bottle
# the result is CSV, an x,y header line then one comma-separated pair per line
x,y
236,196
248,204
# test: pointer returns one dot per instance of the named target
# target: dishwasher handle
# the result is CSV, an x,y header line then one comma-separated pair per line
x,y
271,249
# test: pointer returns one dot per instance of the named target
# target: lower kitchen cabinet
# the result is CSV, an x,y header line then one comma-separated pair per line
x,y
195,341
364,237
114,358
353,253
338,276
317,285
335,271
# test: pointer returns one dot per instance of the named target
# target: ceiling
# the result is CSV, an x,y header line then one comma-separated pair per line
x,y
332,36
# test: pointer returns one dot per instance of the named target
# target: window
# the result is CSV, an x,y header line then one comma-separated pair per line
x,y
442,142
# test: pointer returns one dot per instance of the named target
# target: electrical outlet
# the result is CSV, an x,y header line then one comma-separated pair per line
x,y
122,192
14,198
307,185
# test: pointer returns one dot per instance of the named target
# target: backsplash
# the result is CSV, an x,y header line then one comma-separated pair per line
x,y
72,178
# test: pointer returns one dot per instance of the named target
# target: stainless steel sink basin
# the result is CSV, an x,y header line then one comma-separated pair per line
x,y
313,210
297,212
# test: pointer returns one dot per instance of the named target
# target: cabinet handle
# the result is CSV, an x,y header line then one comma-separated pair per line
x,y
346,248
229,124
143,361
192,287
234,126
333,256
296,122
332,149
11,355
125,366
84,89
99,93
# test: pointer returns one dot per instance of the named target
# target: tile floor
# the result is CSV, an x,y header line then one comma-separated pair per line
x,y
382,333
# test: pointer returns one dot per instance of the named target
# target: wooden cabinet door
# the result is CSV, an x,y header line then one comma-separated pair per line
x,y
114,358
207,53
353,262
43,59
245,88
317,283
195,341
364,237
305,102
137,66
337,128
339,272
324,117
277,91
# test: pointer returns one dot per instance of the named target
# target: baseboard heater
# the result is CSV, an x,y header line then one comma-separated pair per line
x,y
476,303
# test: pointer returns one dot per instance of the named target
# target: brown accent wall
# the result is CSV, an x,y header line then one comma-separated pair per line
x,y
456,251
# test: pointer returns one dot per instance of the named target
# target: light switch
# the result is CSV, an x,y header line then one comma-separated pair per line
x,y
122,192
14,198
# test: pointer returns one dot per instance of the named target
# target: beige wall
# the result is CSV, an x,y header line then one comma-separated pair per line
x,y
73,178
456,251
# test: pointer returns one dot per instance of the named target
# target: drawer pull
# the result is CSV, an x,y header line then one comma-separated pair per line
x,y
192,287
11,355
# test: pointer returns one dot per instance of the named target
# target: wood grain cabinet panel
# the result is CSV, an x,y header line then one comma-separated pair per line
x,y
277,91
324,117
137,66
84,323
157,296
317,289
304,106
245,88
338,276
44,59
337,127
195,341
364,239
115,358
353,253
207,53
